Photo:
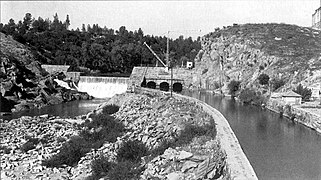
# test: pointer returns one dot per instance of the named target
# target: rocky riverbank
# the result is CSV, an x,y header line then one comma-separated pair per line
x,y
181,133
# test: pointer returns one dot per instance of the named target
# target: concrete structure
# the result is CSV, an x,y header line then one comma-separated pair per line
x,y
55,68
160,77
102,87
292,98
316,18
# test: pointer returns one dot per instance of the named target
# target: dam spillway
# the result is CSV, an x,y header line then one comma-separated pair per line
x,y
102,87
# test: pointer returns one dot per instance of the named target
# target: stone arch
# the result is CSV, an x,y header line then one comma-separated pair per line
x,y
164,86
177,87
151,84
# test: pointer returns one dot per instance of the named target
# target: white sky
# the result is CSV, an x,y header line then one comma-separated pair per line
x,y
158,17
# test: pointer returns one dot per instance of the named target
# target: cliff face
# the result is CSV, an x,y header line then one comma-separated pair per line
x,y
243,52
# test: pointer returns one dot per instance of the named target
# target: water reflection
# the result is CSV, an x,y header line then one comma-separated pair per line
x,y
276,147
69,109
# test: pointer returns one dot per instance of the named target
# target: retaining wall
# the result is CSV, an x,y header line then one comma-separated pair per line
x,y
295,113
239,166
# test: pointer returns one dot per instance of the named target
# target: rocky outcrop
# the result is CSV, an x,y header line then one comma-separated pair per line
x,y
24,84
243,52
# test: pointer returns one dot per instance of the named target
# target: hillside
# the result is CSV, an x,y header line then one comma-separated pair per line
x,y
282,51
24,84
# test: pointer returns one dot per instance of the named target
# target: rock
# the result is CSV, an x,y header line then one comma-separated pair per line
x,y
174,176
184,155
188,165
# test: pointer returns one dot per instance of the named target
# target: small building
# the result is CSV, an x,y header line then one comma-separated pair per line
x,y
292,98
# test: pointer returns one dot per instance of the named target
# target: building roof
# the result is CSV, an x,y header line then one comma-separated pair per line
x,y
291,94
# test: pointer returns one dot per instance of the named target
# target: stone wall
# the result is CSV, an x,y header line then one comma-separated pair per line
x,y
239,166
296,113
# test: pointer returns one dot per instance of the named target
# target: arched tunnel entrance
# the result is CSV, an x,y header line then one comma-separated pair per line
x,y
151,84
164,86
177,87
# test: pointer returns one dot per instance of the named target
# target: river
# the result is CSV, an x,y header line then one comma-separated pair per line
x,y
276,147
65,110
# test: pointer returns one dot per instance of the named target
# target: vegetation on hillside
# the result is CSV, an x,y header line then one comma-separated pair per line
x,y
94,47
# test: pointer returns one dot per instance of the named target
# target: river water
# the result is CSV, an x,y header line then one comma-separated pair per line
x,y
276,147
65,110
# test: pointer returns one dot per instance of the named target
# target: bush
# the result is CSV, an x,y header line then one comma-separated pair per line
x,y
30,144
264,79
5,149
125,170
233,86
304,92
110,109
132,151
101,166
69,154
248,96
277,83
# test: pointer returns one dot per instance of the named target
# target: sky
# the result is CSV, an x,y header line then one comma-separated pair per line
x,y
188,18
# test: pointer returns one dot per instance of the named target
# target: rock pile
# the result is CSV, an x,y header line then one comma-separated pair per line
x,y
26,141
180,135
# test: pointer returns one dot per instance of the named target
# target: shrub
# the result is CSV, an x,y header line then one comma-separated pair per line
x,y
132,151
125,170
264,79
248,96
69,154
30,144
233,86
277,83
27,146
110,109
304,92
101,166
5,149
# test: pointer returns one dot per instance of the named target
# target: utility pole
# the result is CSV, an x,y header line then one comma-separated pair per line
x,y
167,50
169,65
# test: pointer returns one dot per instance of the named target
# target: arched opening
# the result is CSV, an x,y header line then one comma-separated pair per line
x,y
143,84
151,84
164,86
177,87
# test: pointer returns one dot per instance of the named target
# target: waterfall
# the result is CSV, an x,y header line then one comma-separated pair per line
x,y
102,87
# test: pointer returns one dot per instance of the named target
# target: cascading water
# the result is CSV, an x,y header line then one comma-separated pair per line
x,y
102,87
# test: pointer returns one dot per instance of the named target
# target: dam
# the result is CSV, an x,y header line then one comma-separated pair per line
x,y
102,87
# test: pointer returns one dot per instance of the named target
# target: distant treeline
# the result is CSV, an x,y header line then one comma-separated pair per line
x,y
94,47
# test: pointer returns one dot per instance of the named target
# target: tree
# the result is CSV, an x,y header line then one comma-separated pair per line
x,y
67,22
304,92
233,86
264,79
277,83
